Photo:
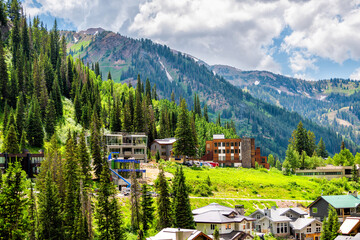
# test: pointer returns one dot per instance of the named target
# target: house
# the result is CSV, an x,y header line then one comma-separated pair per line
x,y
276,220
351,226
164,146
345,237
126,145
345,205
234,152
180,234
329,172
30,162
306,228
232,223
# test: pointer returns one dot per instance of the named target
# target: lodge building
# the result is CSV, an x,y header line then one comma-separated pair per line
x,y
238,152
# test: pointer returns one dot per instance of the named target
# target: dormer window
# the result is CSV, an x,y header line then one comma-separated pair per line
x,y
258,216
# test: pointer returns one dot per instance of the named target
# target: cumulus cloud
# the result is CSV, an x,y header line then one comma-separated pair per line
x,y
234,32
355,75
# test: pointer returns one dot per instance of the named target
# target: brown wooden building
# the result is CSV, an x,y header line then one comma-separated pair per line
x,y
239,152
30,162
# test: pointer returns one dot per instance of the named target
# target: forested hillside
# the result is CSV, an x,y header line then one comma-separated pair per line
x,y
173,72
331,103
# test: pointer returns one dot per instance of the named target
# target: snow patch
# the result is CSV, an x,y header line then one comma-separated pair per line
x,y
76,40
279,91
96,33
322,97
256,83
167,73
214,72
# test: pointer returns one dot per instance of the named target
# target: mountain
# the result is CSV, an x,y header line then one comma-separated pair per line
x,y
331,103
184,75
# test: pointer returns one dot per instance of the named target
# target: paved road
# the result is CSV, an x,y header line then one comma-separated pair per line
x,y
254,199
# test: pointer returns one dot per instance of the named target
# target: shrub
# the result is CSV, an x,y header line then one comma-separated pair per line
x,y
202,190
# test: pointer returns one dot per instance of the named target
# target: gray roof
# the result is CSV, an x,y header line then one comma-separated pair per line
x,y
234,235
301,223
342,237
170,234
278,214
216,213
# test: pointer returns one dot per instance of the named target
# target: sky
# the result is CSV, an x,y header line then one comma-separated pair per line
x,y
307,39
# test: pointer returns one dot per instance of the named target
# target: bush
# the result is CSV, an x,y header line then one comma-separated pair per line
x,y
202,190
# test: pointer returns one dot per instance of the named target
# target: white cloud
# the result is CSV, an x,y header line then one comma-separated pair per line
x,y
355,75
300,62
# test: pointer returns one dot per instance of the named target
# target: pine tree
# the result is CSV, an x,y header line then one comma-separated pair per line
x,y
4,75
50,215
127,122
301,140
302,159
135,202
278,165
183,217
154,93
33,222
147,88
56,97
271,160
216,233
84,159
20,116
147,208
218,120
95,145
138,113
322,149
342,145
35,133
330,225
107,213
14,200
185,140
115,120
11,141
355,174
109,76
206,116
164,211
50,119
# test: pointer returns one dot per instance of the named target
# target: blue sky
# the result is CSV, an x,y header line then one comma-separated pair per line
x,y
300,38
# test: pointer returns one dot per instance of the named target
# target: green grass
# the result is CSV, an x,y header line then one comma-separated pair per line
x,y
262,184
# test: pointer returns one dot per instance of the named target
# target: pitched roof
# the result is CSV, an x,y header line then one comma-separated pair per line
x,y
216,213
240,235
278,214
165,141
170,234
349,225
343,237
301,223
340,201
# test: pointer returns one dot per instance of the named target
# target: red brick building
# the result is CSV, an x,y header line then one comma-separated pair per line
x,y
234,152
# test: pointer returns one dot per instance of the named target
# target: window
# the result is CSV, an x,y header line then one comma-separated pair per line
x,y
215,144
212,226
227,144
281,228
223,151
207,145
227,151
232,150
318,229
232,157
215,151
232,144
235,144
248,225
235,150
228,226
308,229
223,144
258,216
314,210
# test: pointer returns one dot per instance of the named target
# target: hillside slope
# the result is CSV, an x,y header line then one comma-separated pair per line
x,y
173,71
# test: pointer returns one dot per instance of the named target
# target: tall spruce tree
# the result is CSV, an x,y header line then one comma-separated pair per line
x,y
14,200
11,141
185,140
330,225
95,145
20,116
50,213
322,149
4,75
138,113
135,202
147,209
84,159
50,119
115,118
183,217
164,210
35,133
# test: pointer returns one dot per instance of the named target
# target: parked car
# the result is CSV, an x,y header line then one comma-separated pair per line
x,y
126,191
206,164
214,164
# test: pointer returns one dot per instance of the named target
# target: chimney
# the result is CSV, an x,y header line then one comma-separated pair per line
x,y
354,194
240,209
273,207
267,212
179,235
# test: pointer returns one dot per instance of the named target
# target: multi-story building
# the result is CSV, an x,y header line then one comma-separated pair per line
x,y
239,152
329,172
164,146
30,162
127,145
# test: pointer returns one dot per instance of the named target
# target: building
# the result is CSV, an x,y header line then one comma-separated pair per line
x,y
329,172
350,227
240,152
180,234
232,223
285,222
30,162
345,205
126,145
164,146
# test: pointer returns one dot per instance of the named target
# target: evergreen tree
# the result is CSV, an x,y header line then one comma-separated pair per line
x,y
342,145
11,143
115,120
3,15
206,116
14,201
22,145
147,208
183,217
50,119
271,160
154,93
331,225
56,97
107,213
109,76
355,174
216,233
185,144
95,145
138,113
302,159
4,75
147,88
33,223
50,215
218,120
278,165
157,156
322,149
35,133
84,159
164,211
20,116
135,202
127,123
301,140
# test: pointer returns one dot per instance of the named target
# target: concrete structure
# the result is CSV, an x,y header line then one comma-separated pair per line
x,y
126,145
279,221
180,234
230,222
234,152
329,172
30,162
164,146
345,205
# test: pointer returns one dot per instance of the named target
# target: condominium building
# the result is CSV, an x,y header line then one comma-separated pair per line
x,y
239,152
329,172
164,146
